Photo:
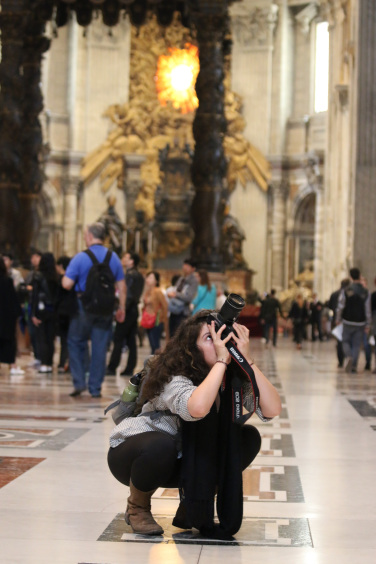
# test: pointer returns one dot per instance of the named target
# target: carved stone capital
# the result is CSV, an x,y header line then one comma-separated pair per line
x,y
71,185
253,28
312,166
342,91
334,11
132,187
305,17
104,37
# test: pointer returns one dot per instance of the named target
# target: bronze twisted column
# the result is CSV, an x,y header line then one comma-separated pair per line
x,y
35,44
22,24
209,126
12,16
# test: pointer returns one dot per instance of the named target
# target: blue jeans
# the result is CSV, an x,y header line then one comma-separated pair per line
x,y
352,340
84,327
154,335
367,349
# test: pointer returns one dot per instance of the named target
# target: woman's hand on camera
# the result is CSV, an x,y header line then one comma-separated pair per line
x,y
241,338
219,343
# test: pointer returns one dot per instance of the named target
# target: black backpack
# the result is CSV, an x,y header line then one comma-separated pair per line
x,y
354,309
99,295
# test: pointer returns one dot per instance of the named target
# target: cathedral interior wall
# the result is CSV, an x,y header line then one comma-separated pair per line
x,y
273,70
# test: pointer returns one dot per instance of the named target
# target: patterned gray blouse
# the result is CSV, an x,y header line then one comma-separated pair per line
x,y
174,397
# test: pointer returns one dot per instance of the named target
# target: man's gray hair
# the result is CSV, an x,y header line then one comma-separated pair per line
x,y
97,230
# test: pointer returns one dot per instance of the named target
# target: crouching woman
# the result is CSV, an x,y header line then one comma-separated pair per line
x,y
189,440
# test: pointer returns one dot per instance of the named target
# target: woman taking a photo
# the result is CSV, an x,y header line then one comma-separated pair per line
x,y
154,313
187,392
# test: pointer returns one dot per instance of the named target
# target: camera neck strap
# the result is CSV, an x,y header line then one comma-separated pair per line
x,y
237,390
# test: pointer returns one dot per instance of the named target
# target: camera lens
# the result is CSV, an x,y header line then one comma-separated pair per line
x,y
232,307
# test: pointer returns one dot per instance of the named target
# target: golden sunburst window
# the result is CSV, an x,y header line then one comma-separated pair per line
x,y
176,78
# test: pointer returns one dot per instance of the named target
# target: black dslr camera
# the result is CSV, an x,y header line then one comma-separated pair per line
x,y
228,314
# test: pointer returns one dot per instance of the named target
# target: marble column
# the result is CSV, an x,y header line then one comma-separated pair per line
x,y
35,44
11,91
278,234
364,250
319,241
253,33
71,188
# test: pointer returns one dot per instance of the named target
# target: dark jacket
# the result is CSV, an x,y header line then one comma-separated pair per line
x,y
298,314
354,305
10,309
316,310
269,309
135,285
43,297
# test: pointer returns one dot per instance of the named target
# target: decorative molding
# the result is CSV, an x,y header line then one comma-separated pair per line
x,y
312,166
334,11
102,36
342,91
305,17
70,185
254,28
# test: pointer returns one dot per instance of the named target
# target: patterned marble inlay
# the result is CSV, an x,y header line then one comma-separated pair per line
x,y
263,483
45,439
276,444
364,408
254,531
273,483
11,467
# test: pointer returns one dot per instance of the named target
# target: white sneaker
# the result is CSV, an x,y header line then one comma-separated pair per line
x,y
16,370
44,368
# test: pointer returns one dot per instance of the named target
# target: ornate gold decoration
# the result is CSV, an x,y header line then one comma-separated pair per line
x,y
176,78
143,126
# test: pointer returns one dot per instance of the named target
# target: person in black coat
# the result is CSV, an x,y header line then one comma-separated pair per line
x,y
10,311
43,299
270,307
66,306
299,316
316,310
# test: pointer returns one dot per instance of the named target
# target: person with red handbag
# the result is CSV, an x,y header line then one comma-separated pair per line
x,y
154,313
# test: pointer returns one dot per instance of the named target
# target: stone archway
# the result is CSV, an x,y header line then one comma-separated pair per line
x,y
302,248
48,233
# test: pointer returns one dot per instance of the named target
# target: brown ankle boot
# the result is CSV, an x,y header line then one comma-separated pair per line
x,y
138,514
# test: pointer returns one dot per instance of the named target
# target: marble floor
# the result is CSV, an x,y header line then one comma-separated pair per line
x,y
309,498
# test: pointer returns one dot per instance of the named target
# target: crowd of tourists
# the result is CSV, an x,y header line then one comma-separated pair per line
x,y
349,315
48,303
44,310
98,303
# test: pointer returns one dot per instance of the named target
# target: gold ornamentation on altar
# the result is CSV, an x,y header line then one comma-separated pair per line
x,y
144,126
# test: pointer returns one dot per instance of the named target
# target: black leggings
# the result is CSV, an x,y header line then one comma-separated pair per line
x,y
150,459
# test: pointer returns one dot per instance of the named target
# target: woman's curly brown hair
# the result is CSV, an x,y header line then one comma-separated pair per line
x,y
181,357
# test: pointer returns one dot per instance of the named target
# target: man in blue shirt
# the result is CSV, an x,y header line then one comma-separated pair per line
x,y
86,326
